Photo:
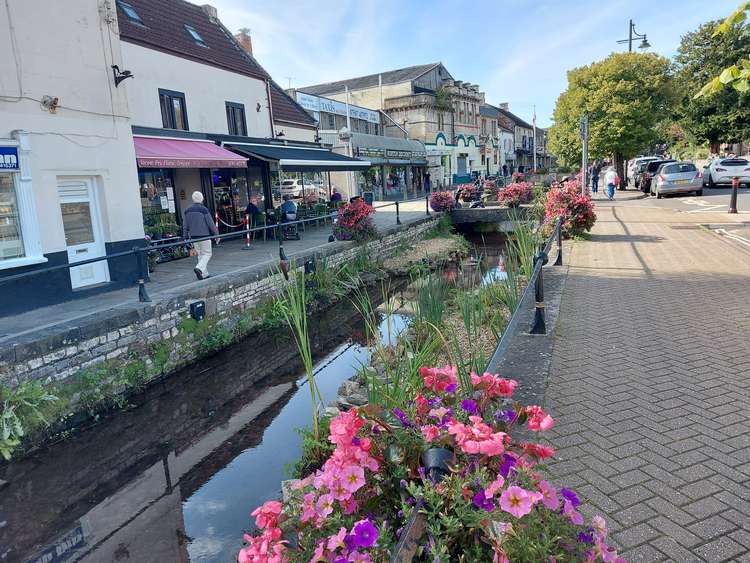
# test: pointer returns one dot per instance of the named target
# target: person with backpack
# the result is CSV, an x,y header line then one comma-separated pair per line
x,y
612,180
198,224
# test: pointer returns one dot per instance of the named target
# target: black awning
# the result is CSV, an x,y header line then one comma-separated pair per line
x,y
300,159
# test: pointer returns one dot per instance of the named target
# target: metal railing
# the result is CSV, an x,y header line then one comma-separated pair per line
x,y
535,284
140,253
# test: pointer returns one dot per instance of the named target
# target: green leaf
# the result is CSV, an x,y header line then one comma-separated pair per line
x,y
729,74
742,85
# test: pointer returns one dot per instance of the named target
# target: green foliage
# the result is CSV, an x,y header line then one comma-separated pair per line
x,y
315,450
442,228
624,96
702,55
22,412
523,245
431,293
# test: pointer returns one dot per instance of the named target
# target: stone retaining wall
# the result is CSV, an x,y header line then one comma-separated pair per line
x,y
131,331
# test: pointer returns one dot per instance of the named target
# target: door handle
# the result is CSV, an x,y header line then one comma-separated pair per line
x,y
81,250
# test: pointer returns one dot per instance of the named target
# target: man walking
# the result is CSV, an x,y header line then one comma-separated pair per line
x,y
595,171
198,224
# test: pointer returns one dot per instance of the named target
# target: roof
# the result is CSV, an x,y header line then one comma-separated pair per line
x,y
389,77
164,30
366,140
520,122
486,110
300,159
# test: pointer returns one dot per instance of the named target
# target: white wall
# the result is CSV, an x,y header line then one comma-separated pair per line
x,y
292,133
206,88
67,54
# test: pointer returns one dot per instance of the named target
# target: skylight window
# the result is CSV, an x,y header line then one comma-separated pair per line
x,y
195,35
130,12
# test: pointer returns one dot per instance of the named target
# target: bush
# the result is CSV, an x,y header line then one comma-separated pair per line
x,y
515,194
447,453
354,222
442,201
577,209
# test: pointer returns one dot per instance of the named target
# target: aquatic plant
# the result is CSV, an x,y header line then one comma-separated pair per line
x,y
22,410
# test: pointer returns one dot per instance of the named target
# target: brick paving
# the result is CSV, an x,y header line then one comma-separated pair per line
x,y
650,385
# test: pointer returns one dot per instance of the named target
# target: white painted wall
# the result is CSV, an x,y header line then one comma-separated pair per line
x,y
67,54
292,133
206,88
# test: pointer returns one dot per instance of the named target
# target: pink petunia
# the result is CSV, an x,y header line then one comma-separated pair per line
x,y
516,501
267,516
494,487
324,506
336,541
549,495
573,515
599,525
430,432
538,419
353,478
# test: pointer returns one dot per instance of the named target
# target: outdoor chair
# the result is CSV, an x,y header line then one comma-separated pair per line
x,y
259,220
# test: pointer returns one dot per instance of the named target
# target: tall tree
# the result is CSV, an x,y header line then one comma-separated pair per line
x,y
738,74
625,96
723,116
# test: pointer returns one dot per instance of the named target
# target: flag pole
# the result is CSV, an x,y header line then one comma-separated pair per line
x,y
533,145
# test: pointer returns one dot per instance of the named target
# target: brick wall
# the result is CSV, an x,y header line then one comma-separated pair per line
x,y
118,335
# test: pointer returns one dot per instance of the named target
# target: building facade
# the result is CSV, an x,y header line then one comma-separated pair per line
x,y
67,164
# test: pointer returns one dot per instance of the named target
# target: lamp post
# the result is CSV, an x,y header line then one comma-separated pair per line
x,y
632,34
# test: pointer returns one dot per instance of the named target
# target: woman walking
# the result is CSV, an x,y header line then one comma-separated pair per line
x,y
612,180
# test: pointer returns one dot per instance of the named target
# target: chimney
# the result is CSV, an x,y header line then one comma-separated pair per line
x,y
210,12
243,38
503,105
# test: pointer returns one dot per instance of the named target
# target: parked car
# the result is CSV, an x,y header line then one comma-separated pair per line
x,y
722,170
294,188
677,178
644,182
634,164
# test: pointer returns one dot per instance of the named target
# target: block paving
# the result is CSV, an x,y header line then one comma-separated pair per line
x,y
650,385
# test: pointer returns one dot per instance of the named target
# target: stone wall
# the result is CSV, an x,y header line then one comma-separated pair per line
x,y
56,353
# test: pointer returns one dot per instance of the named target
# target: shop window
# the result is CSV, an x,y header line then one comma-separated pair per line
x,y
11,237
236,122
173,110
231,197
158,203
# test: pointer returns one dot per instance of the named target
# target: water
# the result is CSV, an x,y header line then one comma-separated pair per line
x,y
174,477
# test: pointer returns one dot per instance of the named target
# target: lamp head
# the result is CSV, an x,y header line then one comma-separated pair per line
x,y
644,44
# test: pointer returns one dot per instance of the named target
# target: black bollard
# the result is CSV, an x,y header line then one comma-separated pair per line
x,y
733,200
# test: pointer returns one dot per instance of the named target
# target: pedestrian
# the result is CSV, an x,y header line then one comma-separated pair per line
x,y
505,170
427,182
198,224
595,171
335,196
611,179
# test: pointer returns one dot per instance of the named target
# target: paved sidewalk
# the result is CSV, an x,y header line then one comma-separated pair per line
x,y
650,385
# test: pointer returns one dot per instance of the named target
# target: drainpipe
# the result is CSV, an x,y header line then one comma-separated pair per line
x,y
270,108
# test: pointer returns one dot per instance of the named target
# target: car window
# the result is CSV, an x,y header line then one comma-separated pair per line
x,y
678,168
288,182
734,162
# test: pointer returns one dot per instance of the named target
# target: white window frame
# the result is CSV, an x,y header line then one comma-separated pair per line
x,y
22,181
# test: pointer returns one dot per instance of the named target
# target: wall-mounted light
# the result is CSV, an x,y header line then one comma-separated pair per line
x,y
280,134
120,75
257,107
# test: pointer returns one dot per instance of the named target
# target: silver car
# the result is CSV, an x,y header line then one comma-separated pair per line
x,y
677,178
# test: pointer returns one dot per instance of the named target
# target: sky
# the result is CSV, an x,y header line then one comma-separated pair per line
x,y
518,51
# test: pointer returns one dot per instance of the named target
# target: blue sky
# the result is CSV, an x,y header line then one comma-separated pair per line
x,y
517,51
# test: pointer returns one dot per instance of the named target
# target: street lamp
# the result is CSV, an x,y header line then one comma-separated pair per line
x,y
632,34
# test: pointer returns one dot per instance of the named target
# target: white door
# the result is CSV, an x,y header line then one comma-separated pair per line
x,y
83,231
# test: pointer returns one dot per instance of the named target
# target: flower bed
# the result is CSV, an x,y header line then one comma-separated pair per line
x,y
577,209
354,222
447,454
442,201
515,194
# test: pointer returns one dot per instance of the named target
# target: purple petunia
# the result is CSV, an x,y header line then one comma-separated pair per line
x,y
506,416
482,502
401,415
365,533
508,463
469,406
451,388
571,496
585,538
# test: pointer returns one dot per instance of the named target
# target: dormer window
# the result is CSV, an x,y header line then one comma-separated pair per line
x,y
130,12
195,35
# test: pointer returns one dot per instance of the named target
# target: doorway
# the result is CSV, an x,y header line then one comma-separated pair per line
x,y
83,232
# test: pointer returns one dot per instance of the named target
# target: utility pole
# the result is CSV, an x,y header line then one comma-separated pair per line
x,y
584,153
533,146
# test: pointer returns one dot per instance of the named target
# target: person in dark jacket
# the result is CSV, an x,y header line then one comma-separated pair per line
x,y
198,224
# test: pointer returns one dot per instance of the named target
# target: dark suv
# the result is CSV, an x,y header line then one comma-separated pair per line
x,y
648,174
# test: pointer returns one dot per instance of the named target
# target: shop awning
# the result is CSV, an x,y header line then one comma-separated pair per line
x,y
156,152
300,159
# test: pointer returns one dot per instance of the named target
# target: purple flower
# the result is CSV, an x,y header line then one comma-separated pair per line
x,y
401,415
506,416
585,538
571,496
508,463
469,406
451,388
482,502
351,541
356,441
365,533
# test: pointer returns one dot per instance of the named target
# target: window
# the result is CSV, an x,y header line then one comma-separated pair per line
x,y
130,12
195,35
484,127
173,110
679,168
331,120
494,128
236,122
11,240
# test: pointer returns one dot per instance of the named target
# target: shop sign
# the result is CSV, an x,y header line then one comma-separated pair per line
x,y
398,154
63,548
370,151
9,158
316,104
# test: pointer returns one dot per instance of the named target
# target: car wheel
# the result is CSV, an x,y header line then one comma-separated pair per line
x,y
711,181
658,195
699,192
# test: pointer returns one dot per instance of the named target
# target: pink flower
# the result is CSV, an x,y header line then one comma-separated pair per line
x,y
358,557
324,506
599,525
353,478
538,450
494,385
267,516
516,501
549,495
494,487
538,419
430,432
573,515
349,505
439,379
339,491
308,507
336,541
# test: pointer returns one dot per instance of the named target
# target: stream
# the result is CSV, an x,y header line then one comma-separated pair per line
x,y
174,476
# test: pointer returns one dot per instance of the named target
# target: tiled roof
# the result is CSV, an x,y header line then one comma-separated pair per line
x,y
164,30
486,110
388,77
520,122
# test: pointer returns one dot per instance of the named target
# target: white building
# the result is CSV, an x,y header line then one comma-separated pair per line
x,y
67,151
